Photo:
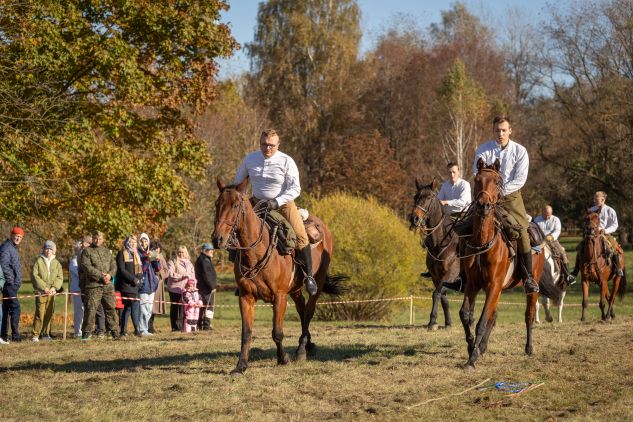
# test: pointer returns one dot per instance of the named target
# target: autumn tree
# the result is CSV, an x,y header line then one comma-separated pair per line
x,y
96,107
461,107
591,70
303,57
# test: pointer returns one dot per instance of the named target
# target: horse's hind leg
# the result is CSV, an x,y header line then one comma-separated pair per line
x,y
530,299
585,296
279,312
604,292
247,309
614,291
560,307
447,312
432,325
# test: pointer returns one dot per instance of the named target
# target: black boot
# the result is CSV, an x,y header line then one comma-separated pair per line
x,y
530,285
616,264
426,274
570,278
458,285
574,272
305,256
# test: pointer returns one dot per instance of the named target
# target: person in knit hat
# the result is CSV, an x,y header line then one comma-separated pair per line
x,y
47,278
12,271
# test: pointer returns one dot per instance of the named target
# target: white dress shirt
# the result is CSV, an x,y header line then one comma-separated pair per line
x,y
458,195
550,226
514,163
608,218
276,177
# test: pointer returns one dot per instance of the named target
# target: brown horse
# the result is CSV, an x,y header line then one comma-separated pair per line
x,y
262,273
488,266
596,267
441,243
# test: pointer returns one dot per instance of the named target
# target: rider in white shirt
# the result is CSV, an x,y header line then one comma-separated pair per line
x,y
551,227
275,179
608,226
454,194
514,165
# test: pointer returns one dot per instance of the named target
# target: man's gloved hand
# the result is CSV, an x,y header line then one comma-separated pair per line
x,y
272,204
549,237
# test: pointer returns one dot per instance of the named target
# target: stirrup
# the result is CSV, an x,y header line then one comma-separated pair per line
x,y
570,280
530,285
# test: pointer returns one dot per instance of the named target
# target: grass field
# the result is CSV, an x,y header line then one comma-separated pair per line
x,y
359,371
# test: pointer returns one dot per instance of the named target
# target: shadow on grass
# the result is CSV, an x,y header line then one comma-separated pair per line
x,y
178,363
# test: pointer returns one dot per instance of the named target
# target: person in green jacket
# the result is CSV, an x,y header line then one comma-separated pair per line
x,y
47,278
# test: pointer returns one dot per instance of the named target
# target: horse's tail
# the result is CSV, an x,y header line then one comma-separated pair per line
x,y
622,286
334,284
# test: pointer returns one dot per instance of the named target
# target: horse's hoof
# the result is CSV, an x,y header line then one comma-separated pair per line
x,y
529,350
537,321
469,367
433,327
447,326
283,360
301,356
237,373
310,347
549,319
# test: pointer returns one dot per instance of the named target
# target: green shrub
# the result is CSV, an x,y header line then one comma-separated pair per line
x,y
374,247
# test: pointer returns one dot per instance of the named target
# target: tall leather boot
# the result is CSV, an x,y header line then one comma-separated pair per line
x,y
574,272
305,255
616,263
530,285
567,276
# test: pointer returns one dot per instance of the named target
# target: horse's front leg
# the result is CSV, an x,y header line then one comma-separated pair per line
x,y
530,306
560,307
448,322
279,312
466,315
487,320
585,296
247,310
604,292
300,305
432,325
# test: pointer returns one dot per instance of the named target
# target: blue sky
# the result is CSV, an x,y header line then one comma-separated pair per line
x,y
377,15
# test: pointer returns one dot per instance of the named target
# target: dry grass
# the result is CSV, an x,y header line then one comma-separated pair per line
x,y
359,371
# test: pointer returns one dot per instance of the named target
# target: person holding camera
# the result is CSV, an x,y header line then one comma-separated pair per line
x,y
129,278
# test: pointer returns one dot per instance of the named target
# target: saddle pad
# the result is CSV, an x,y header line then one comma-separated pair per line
x,y
508,279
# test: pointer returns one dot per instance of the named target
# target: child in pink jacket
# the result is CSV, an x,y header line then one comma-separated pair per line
x,y
192,303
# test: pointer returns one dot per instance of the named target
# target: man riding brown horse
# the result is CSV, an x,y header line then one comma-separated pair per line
x,y
608,226
275,180
514,165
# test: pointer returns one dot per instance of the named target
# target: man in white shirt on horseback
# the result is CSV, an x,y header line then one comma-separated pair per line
x,y
608,226
514,166
551,227
454,195
274,177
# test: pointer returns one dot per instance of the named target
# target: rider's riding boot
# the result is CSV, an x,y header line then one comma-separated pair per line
x,y
305,255
574,272
426,274
458,285
530,285
566,275
616,263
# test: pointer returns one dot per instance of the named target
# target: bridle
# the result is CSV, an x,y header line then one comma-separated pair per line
x,y
420,223
233,241
483,211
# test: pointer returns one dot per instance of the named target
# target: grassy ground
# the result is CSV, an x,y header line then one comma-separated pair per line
x,y
359,371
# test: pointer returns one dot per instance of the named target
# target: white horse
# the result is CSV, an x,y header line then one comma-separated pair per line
x,y
550,271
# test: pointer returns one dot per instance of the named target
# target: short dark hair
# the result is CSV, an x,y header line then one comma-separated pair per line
x,y
452,164
155,244
501,119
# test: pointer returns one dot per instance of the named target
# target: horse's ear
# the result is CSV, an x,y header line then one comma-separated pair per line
x,y
434,184
480,164
418,185
241,188
220,183
496,165
588,211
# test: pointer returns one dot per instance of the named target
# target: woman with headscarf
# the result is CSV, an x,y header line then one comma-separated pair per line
x,y
47,278
180,270
129,277
150,283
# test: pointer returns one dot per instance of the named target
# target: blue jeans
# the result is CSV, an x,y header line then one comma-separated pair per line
x,y
10,311
130,307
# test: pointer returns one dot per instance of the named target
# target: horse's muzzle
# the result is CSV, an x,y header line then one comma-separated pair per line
x,y
219,241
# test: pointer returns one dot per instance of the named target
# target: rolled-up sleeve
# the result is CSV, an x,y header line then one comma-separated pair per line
x,y
612,222
241,174
556,229
521,167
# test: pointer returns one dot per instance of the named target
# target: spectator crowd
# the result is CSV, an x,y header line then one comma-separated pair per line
x,y
109,288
